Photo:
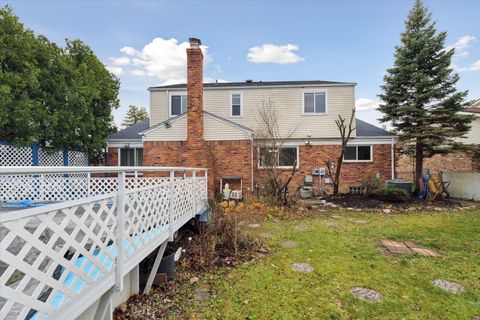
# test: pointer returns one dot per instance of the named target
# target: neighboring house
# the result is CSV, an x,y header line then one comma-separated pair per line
x,y
454,162
213,125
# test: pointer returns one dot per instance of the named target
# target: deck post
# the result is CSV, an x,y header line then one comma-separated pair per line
x,y
121,197
156,264
195,193
171,214
104,308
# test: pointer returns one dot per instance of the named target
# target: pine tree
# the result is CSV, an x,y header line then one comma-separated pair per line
x,y
419,96
134,116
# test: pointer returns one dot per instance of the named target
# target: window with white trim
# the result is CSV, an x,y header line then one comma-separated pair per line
x,y
236,104
314,102
284,157
358,153
131,157
178,104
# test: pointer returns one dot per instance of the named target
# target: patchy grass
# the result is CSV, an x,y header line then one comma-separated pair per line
x,y
346,256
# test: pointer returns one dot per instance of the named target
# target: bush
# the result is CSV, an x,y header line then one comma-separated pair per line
x,y
390,194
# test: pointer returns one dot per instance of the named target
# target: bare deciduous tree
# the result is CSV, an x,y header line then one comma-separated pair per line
x,y
272,156
345,134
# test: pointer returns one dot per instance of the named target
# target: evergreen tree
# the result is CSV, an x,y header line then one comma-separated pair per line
x,y
419,96
134,115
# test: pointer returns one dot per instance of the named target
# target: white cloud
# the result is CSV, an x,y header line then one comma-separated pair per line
x,y
271,53
118,71
363,104
475,66
461,45
165,59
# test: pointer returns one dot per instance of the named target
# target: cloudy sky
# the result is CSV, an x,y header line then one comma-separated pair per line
x,y
144,42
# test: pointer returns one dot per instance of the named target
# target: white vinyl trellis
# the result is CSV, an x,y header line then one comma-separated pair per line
x,y
57,260
11,156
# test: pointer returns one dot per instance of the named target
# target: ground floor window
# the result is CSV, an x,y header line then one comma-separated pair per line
x,y
131,157
358,153
283,157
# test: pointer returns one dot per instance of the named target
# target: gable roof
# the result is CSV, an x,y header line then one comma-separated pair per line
x,y
132,132
256,84
365,129
474,108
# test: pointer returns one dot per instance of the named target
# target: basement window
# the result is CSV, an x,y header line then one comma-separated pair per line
x,y
358,154
284,157
236,104
178,104
314,102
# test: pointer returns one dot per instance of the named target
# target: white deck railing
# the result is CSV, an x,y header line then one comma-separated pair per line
x,y
57,260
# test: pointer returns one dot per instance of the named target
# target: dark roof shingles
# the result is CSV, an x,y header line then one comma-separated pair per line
x,y
255,84
365,129
132,132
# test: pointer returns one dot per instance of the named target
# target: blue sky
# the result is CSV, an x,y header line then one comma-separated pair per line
x,y
262,40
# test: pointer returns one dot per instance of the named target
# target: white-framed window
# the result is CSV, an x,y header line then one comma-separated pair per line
x,y
358,154
130,157
236,108
178,104
315,103
284,157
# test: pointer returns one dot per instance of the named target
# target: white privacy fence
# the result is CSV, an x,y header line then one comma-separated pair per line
x,y
57,260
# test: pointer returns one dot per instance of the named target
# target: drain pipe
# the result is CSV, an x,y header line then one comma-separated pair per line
x,y
393,158
251,162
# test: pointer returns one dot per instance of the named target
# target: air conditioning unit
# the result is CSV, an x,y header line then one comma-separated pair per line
x,y
318,172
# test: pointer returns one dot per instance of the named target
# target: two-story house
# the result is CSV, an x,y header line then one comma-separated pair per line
x,y
214,125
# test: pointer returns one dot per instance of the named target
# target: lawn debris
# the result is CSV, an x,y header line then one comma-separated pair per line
x,y
289,244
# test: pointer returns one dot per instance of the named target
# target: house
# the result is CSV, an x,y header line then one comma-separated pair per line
x,y
454,162
213,125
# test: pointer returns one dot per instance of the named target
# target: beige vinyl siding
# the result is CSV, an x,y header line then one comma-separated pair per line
x,y
288,100
215,129
177,132
473,136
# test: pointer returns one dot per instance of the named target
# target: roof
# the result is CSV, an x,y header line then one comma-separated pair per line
x,y
132,132
474,108
365,129
255,84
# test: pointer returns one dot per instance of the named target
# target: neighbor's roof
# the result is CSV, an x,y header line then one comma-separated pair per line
x,y
131,133
256,84
365,129
474,108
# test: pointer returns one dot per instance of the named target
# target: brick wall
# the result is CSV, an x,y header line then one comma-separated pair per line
x,y
112,156
352,173
455,162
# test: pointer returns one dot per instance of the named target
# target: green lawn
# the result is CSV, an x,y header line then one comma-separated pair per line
x,y
344,257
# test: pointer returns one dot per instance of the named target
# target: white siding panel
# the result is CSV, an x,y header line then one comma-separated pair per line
x,y
215,129
177,132
340,101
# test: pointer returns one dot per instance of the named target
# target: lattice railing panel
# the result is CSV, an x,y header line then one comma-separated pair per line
x,y
50,159
12,156
51,255
77,159
51,258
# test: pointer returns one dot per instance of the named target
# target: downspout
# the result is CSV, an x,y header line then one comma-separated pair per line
x,y
251,162
393,158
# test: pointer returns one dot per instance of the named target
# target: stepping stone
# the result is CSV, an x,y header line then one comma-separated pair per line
x,y
422,250
331,224
448,286
265,235
254,225
335,216
289,244
366,294
395,246
302,267
361,221
301,228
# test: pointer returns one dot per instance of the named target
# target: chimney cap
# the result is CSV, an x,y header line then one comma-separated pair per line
x,y
194,42
249,81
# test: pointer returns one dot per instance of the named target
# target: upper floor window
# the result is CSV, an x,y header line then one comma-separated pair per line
x,y
178,104
236,104
358,153
314,102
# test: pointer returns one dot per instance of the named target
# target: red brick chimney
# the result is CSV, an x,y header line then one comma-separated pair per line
x,y
195,91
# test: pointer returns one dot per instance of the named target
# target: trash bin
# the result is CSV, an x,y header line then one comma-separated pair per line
x,y
167,265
